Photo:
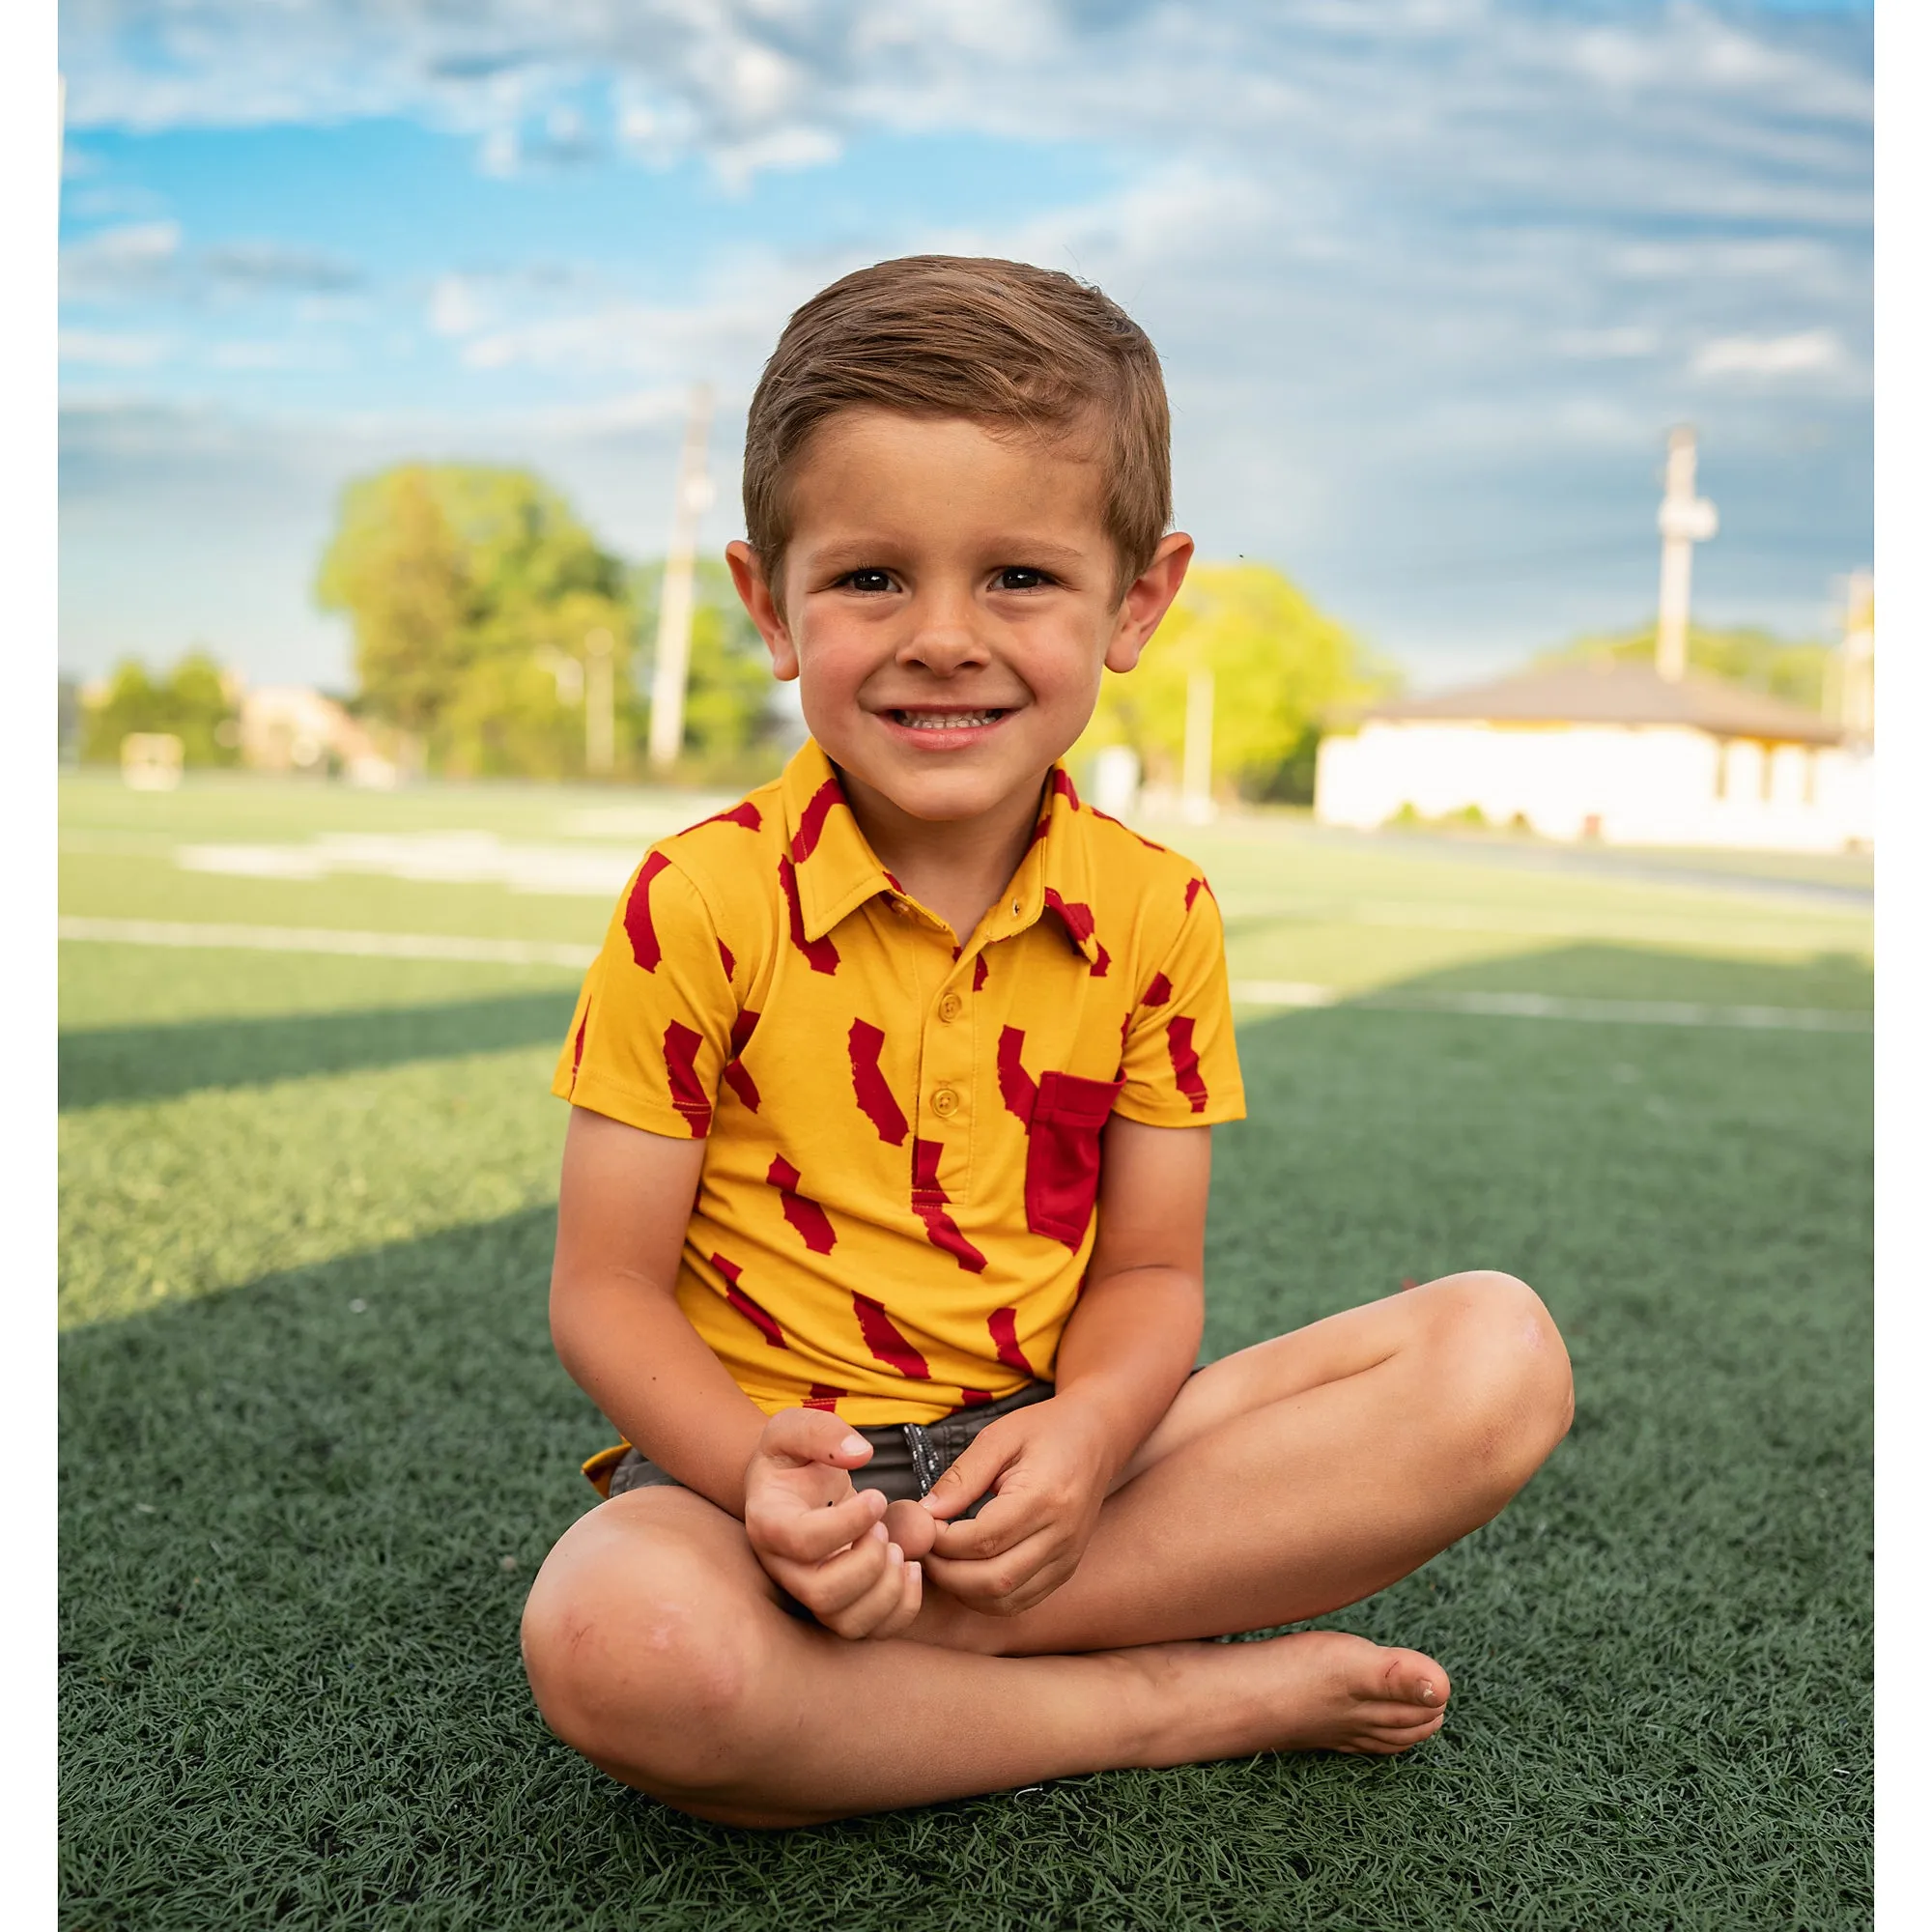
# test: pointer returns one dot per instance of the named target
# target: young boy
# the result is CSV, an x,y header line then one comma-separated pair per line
x,y
880,1233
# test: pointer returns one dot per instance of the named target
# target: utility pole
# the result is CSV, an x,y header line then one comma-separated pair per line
x,y
1855,661
674,599
1197,757
599,725
1683,518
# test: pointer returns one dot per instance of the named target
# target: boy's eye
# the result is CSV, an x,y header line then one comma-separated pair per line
x,y
1021,577
868,580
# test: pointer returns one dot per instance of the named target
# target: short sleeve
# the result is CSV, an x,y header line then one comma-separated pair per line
x,y
1180,1066
652,1031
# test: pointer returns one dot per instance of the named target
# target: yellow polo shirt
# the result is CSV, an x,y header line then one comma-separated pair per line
x,y
903,1133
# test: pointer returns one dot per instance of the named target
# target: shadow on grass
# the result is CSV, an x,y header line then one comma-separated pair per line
x,y
291,1692
160,1063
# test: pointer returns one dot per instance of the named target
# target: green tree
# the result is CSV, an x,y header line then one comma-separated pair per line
x,y
472,593
1794,670
196,700
728,705
1279,663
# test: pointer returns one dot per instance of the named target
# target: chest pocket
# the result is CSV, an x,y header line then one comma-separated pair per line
x,y
1062,1171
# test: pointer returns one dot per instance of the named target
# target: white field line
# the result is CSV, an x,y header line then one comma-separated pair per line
x,y
1552,1006
330,939
1245,992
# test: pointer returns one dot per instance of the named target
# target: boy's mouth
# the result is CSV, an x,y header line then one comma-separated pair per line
x,y
945,721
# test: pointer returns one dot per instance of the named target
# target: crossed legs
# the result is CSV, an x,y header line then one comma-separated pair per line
x,y
1287,1480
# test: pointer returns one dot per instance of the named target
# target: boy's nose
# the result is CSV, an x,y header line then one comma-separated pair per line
x,y
943,638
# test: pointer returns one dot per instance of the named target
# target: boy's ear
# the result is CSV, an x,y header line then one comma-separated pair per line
x,y
747,573
1146,600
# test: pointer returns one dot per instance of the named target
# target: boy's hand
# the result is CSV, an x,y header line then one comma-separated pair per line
x,y
818,1537
1050,1464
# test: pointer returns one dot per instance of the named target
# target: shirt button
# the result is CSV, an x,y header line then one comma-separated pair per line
x,y
948,1007
901,907
945,1102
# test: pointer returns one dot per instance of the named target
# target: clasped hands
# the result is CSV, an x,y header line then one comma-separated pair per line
x,y
859,1564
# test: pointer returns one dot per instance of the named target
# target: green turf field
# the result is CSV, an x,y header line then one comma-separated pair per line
x,y
313,1443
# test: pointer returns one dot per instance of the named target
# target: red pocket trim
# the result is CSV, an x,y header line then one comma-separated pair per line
x,y
1063,1173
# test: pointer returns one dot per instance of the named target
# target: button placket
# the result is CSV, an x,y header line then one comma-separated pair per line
x,y
947,1096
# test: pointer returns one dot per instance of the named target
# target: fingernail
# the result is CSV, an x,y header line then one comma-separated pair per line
x,y
893,1553
878,1533
854,1444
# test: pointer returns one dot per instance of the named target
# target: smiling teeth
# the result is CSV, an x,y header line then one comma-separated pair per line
x,y
944,720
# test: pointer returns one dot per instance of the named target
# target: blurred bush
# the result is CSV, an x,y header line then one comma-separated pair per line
x,y
472,591
1280,667
196,701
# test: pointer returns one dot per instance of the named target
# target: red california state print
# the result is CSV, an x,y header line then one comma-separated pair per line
x,y
929,1203
687,1090
808,1220
737,1075
752,1312
1003,1326
1186,1063
883,1338
745,814
639,925
811,820
820,954
870,1086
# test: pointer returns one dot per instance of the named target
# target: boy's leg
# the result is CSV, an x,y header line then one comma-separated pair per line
x,y
1286,1480
1308,1472
655,1646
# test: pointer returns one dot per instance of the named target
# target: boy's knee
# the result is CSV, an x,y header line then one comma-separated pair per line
x,y
636,1661
1515,1370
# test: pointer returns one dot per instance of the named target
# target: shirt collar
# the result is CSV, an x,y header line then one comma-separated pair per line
x,y
837,871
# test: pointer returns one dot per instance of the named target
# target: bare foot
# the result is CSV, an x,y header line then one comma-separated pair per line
x,y
1312,1690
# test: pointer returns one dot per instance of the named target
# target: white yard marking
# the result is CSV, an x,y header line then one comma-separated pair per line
x,y
1283,993
328,939
442,858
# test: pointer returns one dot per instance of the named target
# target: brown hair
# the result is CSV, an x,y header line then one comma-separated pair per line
x,y
1001,343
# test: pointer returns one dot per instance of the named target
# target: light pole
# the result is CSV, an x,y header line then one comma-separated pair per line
x,y
673,644
1197,755
1683,518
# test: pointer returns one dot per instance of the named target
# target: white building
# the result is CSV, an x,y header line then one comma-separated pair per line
x,y
1611,750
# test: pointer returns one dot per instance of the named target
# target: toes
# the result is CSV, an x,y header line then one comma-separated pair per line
x,y
1411,1678
1390,1741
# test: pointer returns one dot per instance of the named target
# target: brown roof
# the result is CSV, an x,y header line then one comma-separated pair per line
x,y
1607,692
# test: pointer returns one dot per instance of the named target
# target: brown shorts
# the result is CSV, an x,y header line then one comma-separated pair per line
x,y
907,1457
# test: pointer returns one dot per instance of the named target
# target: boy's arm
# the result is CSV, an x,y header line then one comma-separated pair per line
x,y
624,1205
1134,1333
622,1209
1123,1354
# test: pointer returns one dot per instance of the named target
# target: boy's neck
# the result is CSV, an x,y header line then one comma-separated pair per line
x,y
955,868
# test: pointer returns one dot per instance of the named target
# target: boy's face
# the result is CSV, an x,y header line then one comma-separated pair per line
x,y
949,600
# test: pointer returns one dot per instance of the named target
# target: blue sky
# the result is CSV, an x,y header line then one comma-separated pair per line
x,y
1431,279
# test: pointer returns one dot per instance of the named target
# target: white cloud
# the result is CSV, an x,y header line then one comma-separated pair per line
x,y
1606,344
456,306
96,348
116,262
242,354
1808,353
